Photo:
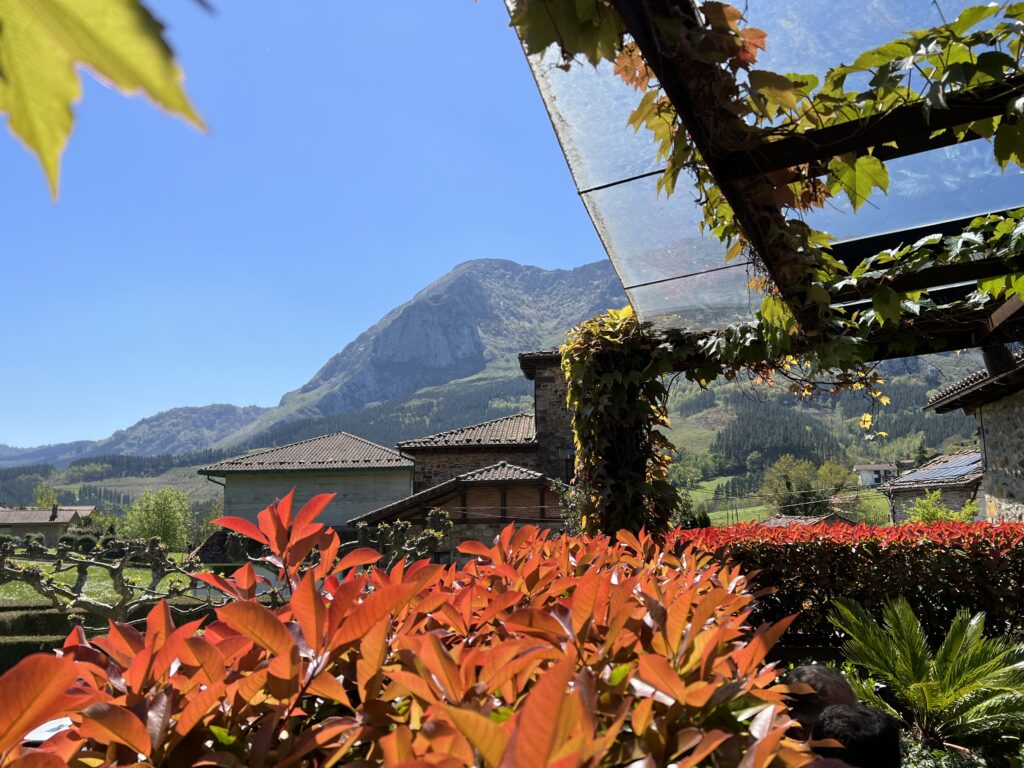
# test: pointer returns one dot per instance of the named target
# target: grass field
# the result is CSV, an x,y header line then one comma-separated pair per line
x,y
98,587
198,488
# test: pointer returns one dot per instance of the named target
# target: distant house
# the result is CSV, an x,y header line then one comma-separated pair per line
x,y
957,476
364,476
875,474
480,502
495,473
541,441
996,399
51,523
788,521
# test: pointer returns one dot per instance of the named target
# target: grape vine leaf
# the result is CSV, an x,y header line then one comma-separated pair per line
x,y
42,42
858,176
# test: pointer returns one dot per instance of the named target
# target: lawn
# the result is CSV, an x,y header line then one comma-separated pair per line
x,y
98,587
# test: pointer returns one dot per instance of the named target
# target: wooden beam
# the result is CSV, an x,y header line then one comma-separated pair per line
x,y
930,277
1003,314
656,27
910,127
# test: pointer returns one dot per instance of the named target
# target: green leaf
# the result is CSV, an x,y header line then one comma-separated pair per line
x,y
774,87
41,43
858,177
972,16
1009,143
887,305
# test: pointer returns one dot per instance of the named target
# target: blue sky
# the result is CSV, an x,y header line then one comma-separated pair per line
x,y
357,151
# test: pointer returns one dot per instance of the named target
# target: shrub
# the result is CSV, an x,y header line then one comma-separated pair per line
x,y
968,693
165,514
85,543
938,568
930,509
34,541
67,540
569,651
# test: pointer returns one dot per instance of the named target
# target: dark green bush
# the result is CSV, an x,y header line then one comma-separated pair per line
x,y
85,543
13,649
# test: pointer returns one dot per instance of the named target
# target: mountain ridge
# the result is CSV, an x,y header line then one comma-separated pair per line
x,y
461,330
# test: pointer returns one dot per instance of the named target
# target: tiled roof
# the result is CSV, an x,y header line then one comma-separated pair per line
x,y
786,521
337,451
519,429
954,470
496,473
36,516
959,394
500,471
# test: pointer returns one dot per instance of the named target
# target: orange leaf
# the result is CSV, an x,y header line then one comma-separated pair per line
x,y
199,704
537,724
308,607
326,686
754,652
309,512
477,549
34,691
657,671
357,557
484,734
372,610
109,724
258,624
242,526
35,759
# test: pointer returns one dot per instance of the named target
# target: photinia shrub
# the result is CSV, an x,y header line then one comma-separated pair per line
x,y
537,652
938,568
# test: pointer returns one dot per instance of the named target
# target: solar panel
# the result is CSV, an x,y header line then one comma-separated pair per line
x,y
949,469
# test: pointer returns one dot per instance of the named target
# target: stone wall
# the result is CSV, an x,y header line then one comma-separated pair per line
x,y
358,491
554,422
433,467
952,498
1001,425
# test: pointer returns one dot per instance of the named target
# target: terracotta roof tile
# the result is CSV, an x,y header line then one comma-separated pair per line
x,y
519,429
336,451
955,470
500,471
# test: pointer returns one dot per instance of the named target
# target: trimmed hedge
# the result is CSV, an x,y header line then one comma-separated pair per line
x,y
33,622
937,567
14,649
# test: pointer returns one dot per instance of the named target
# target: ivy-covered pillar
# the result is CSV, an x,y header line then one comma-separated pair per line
x,y
618,400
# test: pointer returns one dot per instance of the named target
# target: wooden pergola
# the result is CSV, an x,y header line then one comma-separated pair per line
x,y
742,176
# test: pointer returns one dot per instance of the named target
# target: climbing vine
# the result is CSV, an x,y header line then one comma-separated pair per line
x,y
615,369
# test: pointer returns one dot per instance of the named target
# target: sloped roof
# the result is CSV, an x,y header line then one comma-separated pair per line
x,y
955,470
328,452
37,515
502,472
979,388
787,521
874,467
518,429
530,361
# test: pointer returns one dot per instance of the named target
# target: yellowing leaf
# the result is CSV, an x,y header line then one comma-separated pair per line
x,y
41,42
866,420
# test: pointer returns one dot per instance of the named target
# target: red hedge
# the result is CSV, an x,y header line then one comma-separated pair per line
x,y
938,567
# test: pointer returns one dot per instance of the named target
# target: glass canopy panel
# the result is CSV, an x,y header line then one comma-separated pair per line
x,y
672,273
653,241
943,184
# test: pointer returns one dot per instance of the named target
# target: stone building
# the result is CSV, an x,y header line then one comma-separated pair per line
x,y
51,523
364,476
480,503
957,477
995,397
499,472
541,441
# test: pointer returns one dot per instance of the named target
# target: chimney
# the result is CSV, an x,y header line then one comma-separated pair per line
x,y
53,512
554,422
